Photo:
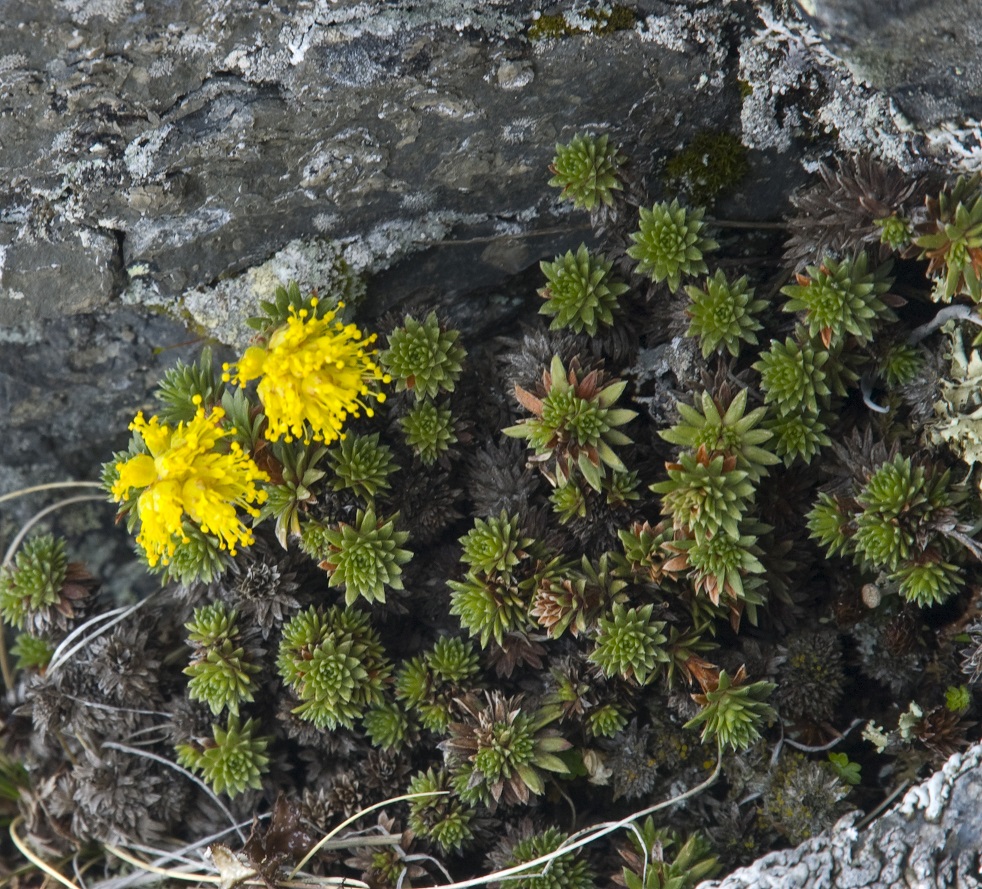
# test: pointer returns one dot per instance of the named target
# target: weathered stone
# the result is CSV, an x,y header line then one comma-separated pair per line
x,y
923,53
60,273
205,141
928,840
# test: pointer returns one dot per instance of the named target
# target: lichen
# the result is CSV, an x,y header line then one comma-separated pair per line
x,y
958,412
601,21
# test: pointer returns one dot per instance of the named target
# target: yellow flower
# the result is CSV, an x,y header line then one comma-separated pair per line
x,y
188,474
316,372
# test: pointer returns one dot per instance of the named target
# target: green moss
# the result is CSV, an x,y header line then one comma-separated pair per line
x,y
709,166
620,18
549,27
601,21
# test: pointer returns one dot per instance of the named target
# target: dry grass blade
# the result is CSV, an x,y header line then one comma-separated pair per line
x,y
34,519
39,863
49,486
330,836
60,655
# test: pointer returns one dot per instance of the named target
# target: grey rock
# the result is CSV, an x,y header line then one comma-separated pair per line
x,y
67,272
923,53
928,840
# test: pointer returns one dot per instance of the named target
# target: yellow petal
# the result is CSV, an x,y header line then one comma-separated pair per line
x,y
137,472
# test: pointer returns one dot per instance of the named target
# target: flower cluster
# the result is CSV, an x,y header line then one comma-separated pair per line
x,y
314,374
187,479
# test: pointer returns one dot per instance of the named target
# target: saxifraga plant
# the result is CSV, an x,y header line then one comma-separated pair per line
x,y
951,239
658,859
429,430
732,710
629,644
901,521
574,598
671,243
428,683
334,662
793,376
720,564
723,314
495,546
298,473
580,293
221,672
363,464
497,752
42,590
489,606
492,599
841,298
363,558
798,435
31,652
727,430
564,872
621,625
387,726
423,357
233,761
186,386
706,494
586,169
443,820
803,797
574,423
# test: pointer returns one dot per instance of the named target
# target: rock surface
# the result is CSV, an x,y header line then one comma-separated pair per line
x,y
924,53
928,840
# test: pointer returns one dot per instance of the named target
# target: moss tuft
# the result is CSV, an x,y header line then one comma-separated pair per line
x,y
712,164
